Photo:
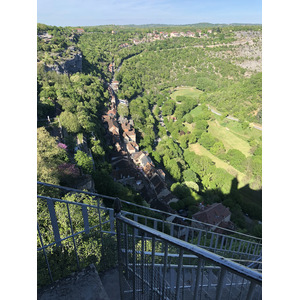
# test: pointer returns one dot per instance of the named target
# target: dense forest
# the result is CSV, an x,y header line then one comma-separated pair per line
x,y
174,86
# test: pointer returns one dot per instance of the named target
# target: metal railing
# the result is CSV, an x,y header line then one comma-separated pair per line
x,y
182,271
64,228
73,225
167,216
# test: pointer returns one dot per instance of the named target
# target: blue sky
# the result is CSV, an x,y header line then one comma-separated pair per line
x,y
122,12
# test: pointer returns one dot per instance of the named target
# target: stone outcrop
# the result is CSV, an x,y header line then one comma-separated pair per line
x,y
67,66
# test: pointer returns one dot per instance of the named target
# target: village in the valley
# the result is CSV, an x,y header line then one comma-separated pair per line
x,y
135,168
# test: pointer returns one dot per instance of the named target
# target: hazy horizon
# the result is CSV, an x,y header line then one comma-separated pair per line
x,y
142,12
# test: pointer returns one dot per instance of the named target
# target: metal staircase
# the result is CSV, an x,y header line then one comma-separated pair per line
x,y
157,258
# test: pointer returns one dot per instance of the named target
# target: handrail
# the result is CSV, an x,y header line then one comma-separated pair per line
x,y
220,249
147,208
219,260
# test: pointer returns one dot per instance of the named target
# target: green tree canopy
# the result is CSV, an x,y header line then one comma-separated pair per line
x,y
84,161
70,121
49,157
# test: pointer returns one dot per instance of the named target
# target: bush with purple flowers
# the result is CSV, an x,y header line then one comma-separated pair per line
x,y
62,146
67,169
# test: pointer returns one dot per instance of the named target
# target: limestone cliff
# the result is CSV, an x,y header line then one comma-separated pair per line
x,y
67,66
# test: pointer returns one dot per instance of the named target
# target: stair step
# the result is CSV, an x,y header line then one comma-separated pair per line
x,y
83,285
111,283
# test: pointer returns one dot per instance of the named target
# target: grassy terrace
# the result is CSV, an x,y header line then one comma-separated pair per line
x,y
200,150
232,135
228,138
186,91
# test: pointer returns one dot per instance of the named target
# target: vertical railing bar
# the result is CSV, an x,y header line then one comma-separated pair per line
x,y
142,261
44,251
126,250
256,246
220,283
54,224
163,226
260,293
211,240
216,243
221,247
239,246
187,234
133,264
199,237
198,279
192,235
231,285
242,287
135,218
179,273
251,291
205,234
231,242
118,224
152,266
72,232
183,270
259,249
226,243
248,250
242,248
85,219
100,222
112,220
165,269
209,271
172,230
155,224
245,247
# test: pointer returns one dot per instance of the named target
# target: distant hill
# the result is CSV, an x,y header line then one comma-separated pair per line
x,y
197,25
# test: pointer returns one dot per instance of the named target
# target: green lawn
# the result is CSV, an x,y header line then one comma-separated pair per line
x,y
236,127
196,111
186,91
200,150
229,138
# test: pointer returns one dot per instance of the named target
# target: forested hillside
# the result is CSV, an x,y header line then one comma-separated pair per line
x,y
194,96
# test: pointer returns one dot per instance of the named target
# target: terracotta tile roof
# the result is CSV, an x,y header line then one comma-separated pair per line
x,y
137,155
213,214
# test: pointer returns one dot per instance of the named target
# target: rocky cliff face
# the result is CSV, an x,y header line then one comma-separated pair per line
x,y
68,66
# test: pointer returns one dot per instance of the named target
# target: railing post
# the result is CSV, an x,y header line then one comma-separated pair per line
x,y
112,221
251,291
143,261
165,270
54,222
199,237
134,265
198,280
117,211
152,267
100,221
179,273
126,250
221,283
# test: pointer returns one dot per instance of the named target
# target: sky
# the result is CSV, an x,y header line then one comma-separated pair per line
x,y
124,12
